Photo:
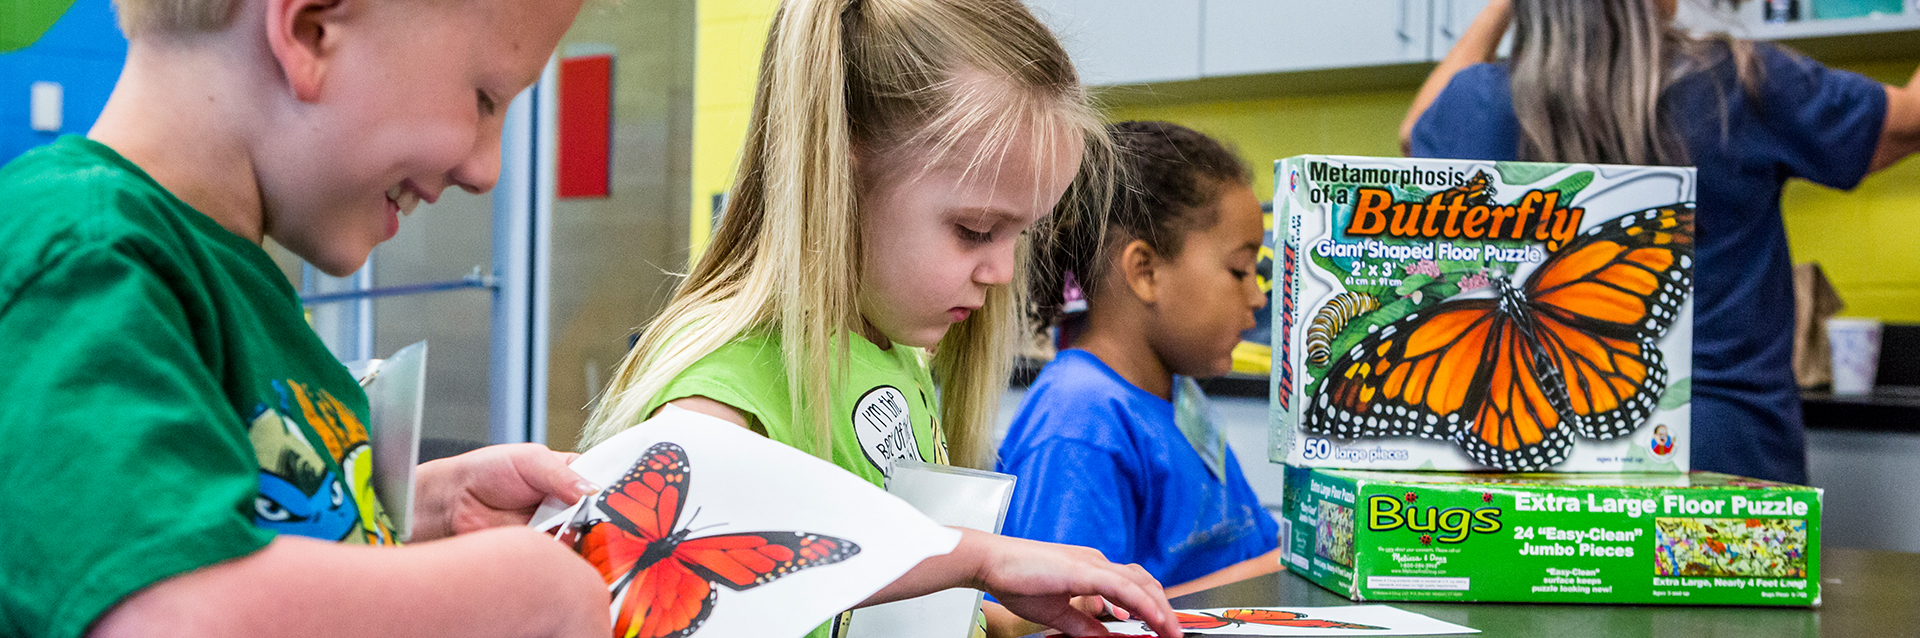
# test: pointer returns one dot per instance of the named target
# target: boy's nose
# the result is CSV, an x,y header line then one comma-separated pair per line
x,y
481,170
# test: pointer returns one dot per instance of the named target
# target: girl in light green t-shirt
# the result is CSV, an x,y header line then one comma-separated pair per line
x,y
898,151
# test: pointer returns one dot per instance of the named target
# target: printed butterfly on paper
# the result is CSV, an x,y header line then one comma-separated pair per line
x,y
1510,378
1266,617
665,580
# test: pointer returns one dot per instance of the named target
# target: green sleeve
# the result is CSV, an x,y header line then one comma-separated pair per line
x,y
748,375
122,461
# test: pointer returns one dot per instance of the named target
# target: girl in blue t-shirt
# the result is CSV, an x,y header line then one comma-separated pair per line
x,y
1168,279
1616,82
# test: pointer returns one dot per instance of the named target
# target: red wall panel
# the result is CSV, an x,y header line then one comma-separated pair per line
x,y
586,125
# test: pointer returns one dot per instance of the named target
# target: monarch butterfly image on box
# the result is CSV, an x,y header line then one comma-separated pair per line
x,y
664,580
1268,617
1511,378
1478,190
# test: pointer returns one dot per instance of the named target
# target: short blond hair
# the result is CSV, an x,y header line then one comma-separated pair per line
x,y
173,17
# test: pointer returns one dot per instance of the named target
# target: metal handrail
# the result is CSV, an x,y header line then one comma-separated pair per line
x,y
474,280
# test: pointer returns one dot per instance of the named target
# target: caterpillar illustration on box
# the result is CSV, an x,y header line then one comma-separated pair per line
x,y
1331,319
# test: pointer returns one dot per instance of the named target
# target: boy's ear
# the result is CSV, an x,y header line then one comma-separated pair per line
x,y
1137,262
301,35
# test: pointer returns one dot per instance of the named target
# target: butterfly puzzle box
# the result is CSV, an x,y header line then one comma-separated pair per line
x,y
1683,539
1464,315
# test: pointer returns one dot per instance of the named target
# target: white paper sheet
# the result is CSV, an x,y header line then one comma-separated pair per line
x,y
733,482
1352,620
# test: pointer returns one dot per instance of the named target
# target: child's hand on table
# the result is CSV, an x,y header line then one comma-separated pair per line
x,y
1036,581
1060,586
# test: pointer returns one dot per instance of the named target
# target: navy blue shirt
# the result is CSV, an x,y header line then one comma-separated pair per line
x,y
1102,465
1809,122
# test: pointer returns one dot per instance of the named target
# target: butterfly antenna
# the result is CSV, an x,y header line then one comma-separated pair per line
x,y
696,516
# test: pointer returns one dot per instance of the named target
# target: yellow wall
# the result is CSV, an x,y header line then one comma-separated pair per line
x,y
1859,237
1269,129
731,36
1862,238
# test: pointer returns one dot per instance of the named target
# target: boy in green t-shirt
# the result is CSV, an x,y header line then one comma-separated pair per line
x,y
179,455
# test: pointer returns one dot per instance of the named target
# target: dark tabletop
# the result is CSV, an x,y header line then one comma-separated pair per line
x,y
1864,594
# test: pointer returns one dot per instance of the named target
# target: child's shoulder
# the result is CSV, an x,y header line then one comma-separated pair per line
x,y
1077,388
77,194
749,364
1077,373
753,351
76,213
1078,400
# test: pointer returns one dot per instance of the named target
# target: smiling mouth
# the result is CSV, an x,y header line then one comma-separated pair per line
x,y
404,198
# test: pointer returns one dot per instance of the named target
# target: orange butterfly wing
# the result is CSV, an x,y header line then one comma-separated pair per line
x,y
664,601
1200,621
1600,305
1277,618
744,561
1418,376
1519,422
609,549
648,498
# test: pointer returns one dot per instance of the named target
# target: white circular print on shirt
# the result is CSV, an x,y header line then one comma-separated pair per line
x,y
884,427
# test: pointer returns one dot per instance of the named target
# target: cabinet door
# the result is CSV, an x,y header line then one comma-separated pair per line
x,y
1265,36
1127,41
1450,21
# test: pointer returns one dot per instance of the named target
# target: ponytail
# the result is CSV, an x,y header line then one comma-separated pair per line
x,y
1172,178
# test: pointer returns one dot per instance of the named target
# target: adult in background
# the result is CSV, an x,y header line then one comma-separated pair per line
x,y
1613,81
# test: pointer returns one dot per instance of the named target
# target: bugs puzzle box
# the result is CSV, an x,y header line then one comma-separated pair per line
x,y
1700,538
1463,315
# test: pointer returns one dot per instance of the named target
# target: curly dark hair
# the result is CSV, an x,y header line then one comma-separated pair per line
x,y
1171,179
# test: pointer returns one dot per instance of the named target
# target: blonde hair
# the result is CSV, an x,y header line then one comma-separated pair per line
x,y
173,17
934,78
1589,78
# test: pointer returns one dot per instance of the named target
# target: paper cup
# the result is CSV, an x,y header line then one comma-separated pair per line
x,y
1856,353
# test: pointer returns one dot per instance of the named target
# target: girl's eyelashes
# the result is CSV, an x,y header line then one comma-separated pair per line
x,y
974,236
1240,274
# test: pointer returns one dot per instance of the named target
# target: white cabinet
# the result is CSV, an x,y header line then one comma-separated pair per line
x,y
1145,41
1127,41
1241,37
1450,21
1749,21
